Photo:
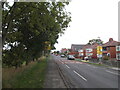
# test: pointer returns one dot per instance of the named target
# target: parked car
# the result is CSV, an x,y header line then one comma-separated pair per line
x,y
62,55
70,57
86,58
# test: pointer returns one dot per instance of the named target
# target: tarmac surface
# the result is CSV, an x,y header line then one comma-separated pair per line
x,y
63,73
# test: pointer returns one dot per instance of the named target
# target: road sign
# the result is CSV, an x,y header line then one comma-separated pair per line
x,y
47,45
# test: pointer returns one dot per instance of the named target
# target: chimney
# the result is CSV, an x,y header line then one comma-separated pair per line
x,y
110,39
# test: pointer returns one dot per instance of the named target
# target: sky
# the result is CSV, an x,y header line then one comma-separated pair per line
x,y
90,19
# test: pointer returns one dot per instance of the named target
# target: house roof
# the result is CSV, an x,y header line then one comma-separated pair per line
x,y
94,46
86,46
91,46
111,42
76,47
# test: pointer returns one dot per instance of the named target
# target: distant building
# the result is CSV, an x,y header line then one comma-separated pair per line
x,y
75,49
64,50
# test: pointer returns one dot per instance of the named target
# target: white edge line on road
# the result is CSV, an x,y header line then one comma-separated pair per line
x,y
79,75
112,72
67,66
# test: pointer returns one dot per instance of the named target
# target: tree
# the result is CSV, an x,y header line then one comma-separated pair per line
x,y
27,25
93,41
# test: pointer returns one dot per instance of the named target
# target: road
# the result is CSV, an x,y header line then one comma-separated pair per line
x,y
83,75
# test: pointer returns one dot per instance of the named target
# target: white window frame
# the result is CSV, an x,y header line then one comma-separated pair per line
x,y
89,54
81,54
80,50
89,50
117,48
118,55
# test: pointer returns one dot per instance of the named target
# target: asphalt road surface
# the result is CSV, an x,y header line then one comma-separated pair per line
x,y
83,75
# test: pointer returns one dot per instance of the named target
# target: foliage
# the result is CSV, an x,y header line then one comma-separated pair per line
x,y
93,41
105,57
28,25
31,76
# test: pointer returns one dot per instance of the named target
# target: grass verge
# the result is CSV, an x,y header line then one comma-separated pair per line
x,y
32,77
96,64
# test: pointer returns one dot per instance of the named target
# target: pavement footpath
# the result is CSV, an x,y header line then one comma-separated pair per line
x,y
53,78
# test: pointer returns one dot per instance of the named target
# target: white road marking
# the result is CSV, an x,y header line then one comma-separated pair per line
x,y
62,62
79,75
67,66
112,72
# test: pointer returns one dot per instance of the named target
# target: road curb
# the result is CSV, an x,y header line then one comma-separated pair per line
x,y
116,69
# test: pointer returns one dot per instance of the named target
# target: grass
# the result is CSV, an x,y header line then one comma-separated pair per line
x,y
96,64
31,77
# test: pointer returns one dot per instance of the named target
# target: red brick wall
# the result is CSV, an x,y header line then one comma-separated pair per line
x,y
118,51
84,53
113,52
94,56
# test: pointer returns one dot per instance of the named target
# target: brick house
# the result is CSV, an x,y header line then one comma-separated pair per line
x,y
85,51
81,53
75,48
94,51
88,50
91,51
109,48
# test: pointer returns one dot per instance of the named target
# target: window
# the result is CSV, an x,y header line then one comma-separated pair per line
x,y
108,48
118,56
104,48
89,50
89,54
117,48
80,50
81,54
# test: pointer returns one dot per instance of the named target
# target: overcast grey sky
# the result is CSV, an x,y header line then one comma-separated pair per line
x,y
90,19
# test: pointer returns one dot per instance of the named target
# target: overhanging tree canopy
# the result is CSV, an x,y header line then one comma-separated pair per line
x,y
27,25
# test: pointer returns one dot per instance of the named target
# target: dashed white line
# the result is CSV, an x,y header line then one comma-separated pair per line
x,y
79,75
112,72
67,66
